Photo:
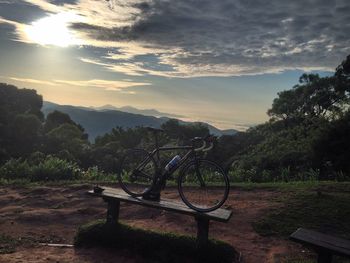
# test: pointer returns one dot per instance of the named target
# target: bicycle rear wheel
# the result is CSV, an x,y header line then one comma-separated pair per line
x,y
137,172
203,185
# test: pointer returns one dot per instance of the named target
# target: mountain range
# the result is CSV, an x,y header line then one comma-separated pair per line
x,y
100,120
130,109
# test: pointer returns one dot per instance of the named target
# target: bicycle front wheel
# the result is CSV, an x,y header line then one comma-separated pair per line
x,y
203,185
136,172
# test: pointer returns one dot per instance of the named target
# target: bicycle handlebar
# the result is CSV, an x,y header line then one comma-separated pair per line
x,y
209,139
201,148
208,148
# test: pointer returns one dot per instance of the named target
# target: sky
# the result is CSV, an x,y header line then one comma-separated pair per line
x,y
221,62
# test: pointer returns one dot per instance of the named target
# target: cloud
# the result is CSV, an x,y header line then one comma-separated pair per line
x,y
10,22
213,38
109,85
34,81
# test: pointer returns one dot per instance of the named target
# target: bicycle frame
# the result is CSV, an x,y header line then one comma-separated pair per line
x,y
194,172
156,152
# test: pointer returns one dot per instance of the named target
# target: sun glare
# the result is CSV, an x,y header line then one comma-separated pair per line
x,y
53,30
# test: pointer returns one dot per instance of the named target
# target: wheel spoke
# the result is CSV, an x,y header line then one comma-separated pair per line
x,y
203,186
137,172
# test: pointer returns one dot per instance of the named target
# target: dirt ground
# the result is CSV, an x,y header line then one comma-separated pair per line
x,y
53,214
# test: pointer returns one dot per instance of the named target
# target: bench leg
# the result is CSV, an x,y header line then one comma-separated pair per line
x,y
202,231
112,211
324,257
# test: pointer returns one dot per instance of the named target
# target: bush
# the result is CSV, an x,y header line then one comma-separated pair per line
x,y
38,168
53,169
94,174
35,158
15,169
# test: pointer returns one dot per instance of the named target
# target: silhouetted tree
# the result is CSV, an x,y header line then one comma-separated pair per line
x,y
56,118
332,150
314,96
184,132
20,121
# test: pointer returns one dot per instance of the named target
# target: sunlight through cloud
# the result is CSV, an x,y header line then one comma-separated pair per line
x,y
53,30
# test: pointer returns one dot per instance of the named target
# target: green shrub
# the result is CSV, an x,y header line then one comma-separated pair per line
x,y
54,169
238,175
35,158
94,174
15,169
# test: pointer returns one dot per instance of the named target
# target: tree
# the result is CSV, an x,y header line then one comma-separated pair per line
x,y
343,70
184,132
126,138
15,101
326,97
20,121
332,150
24,135
56,118
66,137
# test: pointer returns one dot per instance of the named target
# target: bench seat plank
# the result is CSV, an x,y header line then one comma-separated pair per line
x,y
321,241
221,215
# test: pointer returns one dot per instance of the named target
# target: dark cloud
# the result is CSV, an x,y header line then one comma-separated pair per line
x,y
251,36
20,11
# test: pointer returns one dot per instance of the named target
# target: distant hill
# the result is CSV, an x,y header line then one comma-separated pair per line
x,y
129,109
100,121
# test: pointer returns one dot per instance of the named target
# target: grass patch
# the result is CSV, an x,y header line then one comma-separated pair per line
x,y
7,244
324,207
294,186
29,184
326,210
153,246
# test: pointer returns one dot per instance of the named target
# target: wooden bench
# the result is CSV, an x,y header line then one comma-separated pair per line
x,y
114,196
325,245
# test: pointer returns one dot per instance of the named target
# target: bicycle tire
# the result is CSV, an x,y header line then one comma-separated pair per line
x,y
133,180
216,181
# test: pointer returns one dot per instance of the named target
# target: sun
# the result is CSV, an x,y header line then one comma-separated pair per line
x,y
53,30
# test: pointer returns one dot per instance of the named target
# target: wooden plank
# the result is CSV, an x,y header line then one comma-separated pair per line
x,y
321,241
221,215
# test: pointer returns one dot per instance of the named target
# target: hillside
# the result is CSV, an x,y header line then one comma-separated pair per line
x,y
130,109
97,122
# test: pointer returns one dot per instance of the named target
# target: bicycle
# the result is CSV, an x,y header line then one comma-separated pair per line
x,y
202,184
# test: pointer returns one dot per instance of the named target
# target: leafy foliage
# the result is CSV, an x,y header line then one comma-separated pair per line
x,y
49,169
15,169
312,97
53,168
